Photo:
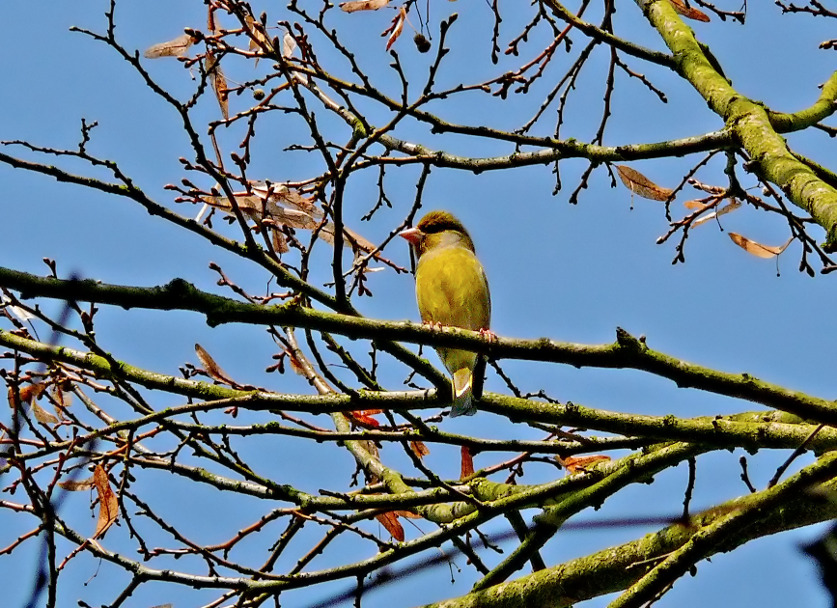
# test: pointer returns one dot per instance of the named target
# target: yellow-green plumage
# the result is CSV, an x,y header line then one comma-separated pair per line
x,y
451,289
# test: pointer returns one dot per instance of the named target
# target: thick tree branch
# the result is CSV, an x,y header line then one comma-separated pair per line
x,y
749,120
626,352
617,568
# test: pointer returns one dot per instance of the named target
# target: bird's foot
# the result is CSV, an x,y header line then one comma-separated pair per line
x,y
433,324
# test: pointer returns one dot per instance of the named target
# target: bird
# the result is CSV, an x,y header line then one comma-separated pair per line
x,y
451,290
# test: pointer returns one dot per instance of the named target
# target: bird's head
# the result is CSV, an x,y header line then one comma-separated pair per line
x,y
437,228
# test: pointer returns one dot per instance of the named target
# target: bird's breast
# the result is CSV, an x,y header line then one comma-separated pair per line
x,y
451,289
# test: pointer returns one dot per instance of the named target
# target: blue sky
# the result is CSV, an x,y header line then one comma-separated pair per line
x,y
569,272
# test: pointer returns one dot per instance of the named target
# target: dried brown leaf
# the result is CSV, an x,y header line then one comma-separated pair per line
x,y
637,183
277,205
280,243
259,41
173,48
757,249
408,514
277,202
212,368
14,401
364,418
108,503
16,311
419,449
578,464
350,238
258,38
288,45
732,205
363,5
281,194
696,204
63,398
466,467
77,485
43,416
294,362
356,241
218,82
688,11
30,392
396,28
389,520
291,218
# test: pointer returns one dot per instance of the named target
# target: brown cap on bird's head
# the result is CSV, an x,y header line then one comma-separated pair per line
x,y
435,222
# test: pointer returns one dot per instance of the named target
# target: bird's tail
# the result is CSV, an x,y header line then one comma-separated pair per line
x,y
463,403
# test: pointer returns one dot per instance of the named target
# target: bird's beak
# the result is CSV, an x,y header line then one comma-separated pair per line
x,y
411,235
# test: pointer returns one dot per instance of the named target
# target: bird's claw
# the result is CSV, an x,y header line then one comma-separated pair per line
x,y
488,335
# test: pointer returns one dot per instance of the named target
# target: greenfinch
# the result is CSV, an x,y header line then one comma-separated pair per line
x,y
451,289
